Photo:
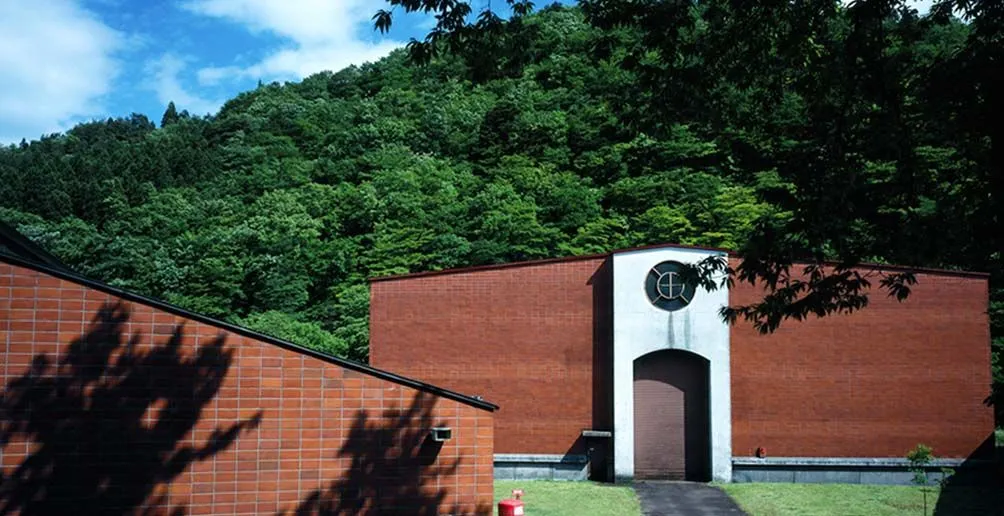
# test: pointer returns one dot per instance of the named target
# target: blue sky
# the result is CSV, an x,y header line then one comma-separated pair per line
x,y
66,61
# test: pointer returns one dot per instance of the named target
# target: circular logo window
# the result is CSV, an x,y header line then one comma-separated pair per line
x,y
666,287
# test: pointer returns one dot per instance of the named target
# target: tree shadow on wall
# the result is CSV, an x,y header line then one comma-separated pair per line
x,y
394,467
977,487
105,424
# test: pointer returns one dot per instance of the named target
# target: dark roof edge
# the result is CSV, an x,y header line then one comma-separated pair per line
x,y
23,246
546,261
488,267
543,261
908,268
66,275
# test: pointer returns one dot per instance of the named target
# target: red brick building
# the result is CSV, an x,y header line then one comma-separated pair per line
x,y
114,402
609,361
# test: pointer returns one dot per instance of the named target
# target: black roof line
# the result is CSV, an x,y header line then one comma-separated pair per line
x,y
30,251
68,275
544,261
596,256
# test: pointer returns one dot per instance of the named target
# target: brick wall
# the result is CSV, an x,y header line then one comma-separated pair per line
x,y
535,339
110,404
870,384
526,337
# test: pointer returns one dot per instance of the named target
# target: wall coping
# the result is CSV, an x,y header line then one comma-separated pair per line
x,y
604,256
532,263
541,458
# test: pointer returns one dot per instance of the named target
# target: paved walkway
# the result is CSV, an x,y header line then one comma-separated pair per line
x,y
684,499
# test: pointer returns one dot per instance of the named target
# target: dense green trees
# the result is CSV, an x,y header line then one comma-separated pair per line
x,y
864,126
844,133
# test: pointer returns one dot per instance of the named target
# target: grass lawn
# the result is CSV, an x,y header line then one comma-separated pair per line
x,y
543,498
865,500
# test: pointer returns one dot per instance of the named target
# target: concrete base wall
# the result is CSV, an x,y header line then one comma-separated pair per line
x,y
517,466
803,470
826,470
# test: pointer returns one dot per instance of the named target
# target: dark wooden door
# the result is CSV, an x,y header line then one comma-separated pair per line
x,y
671,427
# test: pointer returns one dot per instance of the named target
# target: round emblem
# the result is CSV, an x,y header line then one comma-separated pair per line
x,y
666,287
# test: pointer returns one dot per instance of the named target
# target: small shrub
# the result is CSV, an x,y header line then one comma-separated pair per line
x,y
920,457
920,460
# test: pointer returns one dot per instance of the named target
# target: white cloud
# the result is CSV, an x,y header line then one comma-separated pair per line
x,y
210,76
56,63
318,34
164,79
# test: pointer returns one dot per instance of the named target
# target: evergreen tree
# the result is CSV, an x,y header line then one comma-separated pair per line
x,y
170,115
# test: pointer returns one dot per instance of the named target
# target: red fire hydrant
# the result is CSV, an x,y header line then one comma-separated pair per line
x,y
512,506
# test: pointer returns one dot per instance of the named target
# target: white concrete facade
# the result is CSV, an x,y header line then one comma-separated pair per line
x,y
640,328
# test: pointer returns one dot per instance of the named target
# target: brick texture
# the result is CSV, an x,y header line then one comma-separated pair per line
x,y
114,406
521,336
535,339
874,383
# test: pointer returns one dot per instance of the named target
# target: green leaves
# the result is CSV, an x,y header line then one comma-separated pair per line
x,y
287,327
382,21
787,131
663,224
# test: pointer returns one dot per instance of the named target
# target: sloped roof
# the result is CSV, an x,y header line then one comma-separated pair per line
x,y
17,250
13,243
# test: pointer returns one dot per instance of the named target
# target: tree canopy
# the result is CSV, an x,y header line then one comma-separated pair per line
x,y
866,127
788,131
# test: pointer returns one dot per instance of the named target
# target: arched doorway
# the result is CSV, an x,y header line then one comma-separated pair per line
x,y
671,417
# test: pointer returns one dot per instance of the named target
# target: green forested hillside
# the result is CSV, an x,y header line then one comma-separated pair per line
x,y
275,211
